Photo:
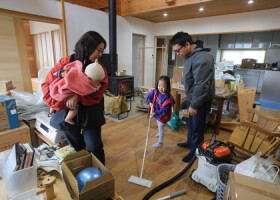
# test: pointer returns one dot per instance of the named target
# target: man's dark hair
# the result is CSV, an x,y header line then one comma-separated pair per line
x,y
167,81
87,45
181,38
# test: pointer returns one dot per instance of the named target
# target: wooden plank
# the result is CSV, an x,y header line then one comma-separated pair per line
x,y
131,7
10,64
63,30
151,12
22,52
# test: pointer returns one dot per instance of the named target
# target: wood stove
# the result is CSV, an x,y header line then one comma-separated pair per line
x,y
118,85
121,85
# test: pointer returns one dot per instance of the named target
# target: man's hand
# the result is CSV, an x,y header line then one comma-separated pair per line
x,y
191,111
72,102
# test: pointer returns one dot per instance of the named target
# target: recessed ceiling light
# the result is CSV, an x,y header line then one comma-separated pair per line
x,y
201,9
250,2
164,14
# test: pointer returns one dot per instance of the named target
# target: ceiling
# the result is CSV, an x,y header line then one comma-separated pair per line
x,y
153,10
211,8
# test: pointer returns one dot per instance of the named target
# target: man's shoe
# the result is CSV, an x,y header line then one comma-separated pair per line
x,y
188,157
184,145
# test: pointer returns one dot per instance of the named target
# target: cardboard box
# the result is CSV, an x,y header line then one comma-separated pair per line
x,y
178,73
222,88
6,86
245,187
8,113
248,63
100,188
9,137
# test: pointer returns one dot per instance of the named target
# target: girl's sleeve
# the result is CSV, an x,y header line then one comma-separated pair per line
x,y
150,97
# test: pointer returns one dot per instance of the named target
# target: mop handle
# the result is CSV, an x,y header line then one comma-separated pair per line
x,y
146,145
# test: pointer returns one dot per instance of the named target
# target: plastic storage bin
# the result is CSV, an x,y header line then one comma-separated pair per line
x,y
221,187
20,181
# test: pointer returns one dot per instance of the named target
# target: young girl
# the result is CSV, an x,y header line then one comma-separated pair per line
x,y
161,101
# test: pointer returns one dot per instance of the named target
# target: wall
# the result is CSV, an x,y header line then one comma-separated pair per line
x,y
81,19
88,19
47,8
41,27
250,21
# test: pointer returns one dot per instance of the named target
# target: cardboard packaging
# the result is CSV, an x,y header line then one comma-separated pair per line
x,y
248,63
245,187
178,74
9,137
5,86
100,188
8,113
222,88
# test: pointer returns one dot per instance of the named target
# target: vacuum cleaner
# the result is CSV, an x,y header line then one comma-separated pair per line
x,y
210,154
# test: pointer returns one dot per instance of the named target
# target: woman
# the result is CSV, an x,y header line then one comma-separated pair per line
x,y
90,117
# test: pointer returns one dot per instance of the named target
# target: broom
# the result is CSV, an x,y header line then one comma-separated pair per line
x,y
140,180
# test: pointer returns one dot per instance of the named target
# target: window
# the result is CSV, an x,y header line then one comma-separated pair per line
x,y
237,55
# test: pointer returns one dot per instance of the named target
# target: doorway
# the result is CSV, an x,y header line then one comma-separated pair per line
x,y
137,42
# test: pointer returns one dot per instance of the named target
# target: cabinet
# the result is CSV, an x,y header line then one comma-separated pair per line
x,y
252,78
228,41
275,39
244,40
262,39
210,41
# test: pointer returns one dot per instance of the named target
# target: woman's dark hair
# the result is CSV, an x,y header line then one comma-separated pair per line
x,y
167,81
87,45
181,38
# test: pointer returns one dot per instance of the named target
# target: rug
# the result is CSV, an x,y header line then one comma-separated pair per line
x,y
134,112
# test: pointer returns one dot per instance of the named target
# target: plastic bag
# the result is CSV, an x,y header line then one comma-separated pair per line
x,y
173,123
260,168
28,105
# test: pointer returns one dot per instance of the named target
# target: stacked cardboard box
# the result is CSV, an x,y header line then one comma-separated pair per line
x,y
5,87
8,113
9,137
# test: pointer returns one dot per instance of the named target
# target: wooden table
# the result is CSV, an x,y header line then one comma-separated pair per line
x,y
179,89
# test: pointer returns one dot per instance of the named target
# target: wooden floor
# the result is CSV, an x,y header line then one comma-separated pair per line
x,y
124,145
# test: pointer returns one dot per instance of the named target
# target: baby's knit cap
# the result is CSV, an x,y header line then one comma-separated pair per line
x,y
95,71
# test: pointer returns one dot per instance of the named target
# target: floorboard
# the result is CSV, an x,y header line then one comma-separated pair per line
x,y
124,145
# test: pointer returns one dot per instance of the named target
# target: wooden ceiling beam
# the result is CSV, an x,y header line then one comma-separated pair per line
x,y
132,7
96,4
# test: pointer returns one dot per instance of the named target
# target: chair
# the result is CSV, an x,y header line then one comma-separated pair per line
x,y
260,133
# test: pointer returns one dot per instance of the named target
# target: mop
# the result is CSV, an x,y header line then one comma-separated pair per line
x,y
140,180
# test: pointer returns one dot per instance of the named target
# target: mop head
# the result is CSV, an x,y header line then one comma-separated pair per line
x,y
140,181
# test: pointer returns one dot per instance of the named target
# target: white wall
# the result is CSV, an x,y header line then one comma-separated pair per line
x,y
81,19
41,27
47,8
250,21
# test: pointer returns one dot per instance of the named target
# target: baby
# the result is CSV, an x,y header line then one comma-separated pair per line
x,y
72,80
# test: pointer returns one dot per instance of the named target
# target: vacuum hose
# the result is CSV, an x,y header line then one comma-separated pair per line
x,y
170,181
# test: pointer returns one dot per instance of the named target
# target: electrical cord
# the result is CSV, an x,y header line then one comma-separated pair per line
x,y
170,181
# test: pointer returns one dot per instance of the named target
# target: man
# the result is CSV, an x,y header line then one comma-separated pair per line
x,y
199,82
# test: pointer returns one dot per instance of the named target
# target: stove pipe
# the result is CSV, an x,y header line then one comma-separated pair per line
x,y
113,37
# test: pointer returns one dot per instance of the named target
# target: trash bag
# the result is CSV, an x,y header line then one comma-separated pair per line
x,y
260,168
173,123
28,105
